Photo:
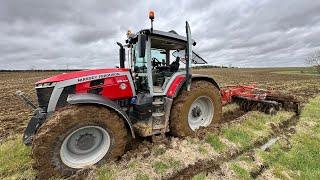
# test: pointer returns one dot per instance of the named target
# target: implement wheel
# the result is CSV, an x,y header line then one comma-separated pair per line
x,y
199,107
77,137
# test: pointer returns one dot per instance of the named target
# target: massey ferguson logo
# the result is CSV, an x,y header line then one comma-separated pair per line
x,y
100,76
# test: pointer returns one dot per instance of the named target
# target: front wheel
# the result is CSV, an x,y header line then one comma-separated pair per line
x,y
78,137
85,146
199,107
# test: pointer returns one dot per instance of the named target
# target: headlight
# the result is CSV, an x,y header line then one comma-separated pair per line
x,y
46,85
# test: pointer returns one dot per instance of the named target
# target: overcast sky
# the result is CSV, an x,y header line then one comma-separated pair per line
x,y
53,34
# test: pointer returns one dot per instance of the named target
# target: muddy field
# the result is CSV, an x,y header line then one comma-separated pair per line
x,y
14,116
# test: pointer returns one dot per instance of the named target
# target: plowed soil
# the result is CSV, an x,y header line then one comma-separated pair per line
x,y
14,114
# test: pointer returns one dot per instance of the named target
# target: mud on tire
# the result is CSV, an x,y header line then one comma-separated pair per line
x,y
49,138
180,109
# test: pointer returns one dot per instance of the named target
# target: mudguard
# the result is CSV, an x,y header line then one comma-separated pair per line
x,y
87,98
195,77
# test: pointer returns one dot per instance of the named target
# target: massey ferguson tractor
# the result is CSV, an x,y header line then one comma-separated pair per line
x,y
86,117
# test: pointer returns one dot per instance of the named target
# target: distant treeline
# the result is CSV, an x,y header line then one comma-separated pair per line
x,y
210,66
40,70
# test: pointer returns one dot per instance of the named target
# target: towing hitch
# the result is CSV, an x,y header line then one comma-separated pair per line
x,y
25,99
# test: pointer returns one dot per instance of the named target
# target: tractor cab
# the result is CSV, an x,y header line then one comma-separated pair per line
x,y
153,59
157,56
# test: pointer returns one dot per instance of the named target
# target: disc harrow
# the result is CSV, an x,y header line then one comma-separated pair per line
x,y
250,98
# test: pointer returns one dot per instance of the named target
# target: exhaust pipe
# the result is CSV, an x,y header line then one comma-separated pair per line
x,y
122,55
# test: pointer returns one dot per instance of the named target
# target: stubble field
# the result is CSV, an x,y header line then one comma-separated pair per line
x,y
232,150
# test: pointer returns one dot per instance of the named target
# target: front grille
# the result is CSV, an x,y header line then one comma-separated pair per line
x,y
44,95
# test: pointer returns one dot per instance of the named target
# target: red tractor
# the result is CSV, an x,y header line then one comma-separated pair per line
x,y
86,117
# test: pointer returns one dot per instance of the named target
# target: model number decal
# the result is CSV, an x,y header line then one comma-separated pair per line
x,y
101,76
122,81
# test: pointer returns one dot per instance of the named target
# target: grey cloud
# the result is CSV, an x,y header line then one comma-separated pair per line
x,y
35,10
82,34
91,34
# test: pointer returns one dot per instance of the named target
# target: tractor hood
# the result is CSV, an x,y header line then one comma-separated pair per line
x,y
78,74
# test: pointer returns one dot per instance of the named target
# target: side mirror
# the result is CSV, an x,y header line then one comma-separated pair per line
x,y
142,40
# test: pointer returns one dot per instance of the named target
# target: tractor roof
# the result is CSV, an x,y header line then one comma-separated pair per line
x,y
168,40
165,40
169,35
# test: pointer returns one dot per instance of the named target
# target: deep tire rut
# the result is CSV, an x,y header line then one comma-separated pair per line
x,y
212,165
285,130
144,145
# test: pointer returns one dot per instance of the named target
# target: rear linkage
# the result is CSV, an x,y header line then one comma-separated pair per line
x,y
250,98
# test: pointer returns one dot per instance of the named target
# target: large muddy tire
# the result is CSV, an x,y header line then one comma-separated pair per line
x,y
77,137
199,107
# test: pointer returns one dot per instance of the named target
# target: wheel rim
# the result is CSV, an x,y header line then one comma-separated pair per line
x,y
85,146
200,113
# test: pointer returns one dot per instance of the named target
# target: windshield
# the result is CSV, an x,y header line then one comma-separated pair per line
x,y
158,55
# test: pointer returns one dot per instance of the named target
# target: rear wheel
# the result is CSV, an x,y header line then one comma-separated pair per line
x,y
199,107
78,137
200,112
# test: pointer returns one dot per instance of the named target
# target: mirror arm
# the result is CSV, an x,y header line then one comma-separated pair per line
x,y
142,38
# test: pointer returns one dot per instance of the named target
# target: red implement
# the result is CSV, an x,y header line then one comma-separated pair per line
x,y
230,91
249,98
